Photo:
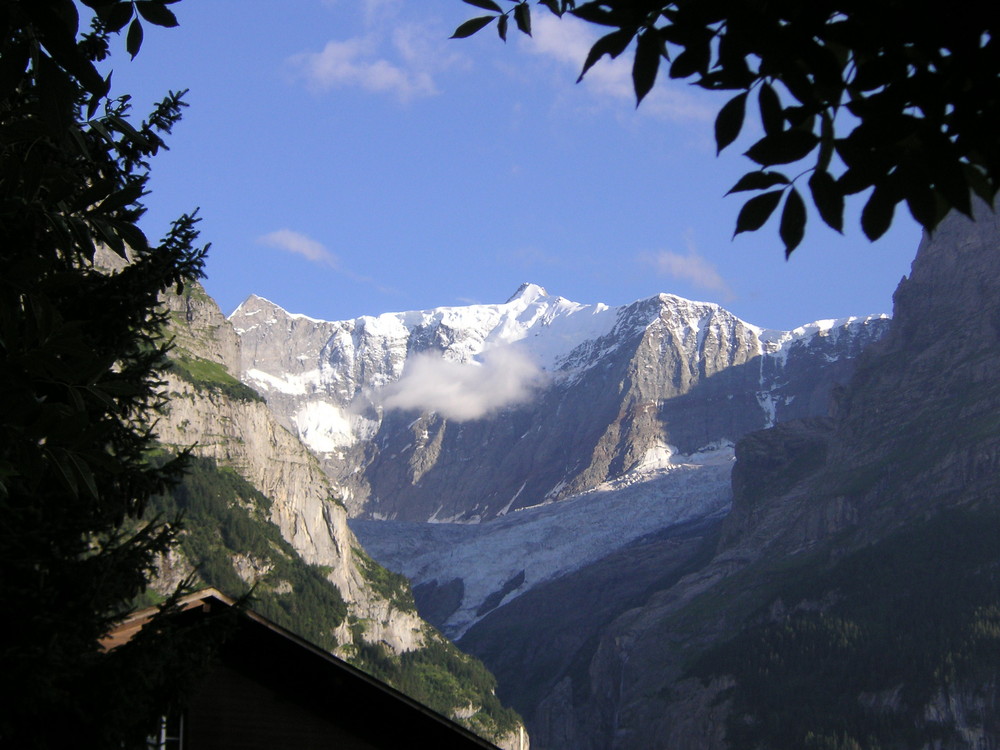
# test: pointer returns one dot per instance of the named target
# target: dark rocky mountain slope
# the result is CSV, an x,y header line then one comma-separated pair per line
x,y
853,600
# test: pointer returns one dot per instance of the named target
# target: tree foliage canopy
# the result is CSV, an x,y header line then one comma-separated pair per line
x,y
80,348
895,98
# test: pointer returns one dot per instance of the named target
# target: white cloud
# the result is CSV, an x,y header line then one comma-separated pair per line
x,y
691,268
463,391
300,244
567,40
355,62
394,56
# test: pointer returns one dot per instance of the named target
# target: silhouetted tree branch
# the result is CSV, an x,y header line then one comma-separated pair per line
x,y
895,98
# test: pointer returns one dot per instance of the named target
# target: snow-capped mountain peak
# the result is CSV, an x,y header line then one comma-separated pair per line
x,y
528,291
398,405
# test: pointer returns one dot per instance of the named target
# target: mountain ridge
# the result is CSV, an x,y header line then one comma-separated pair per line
x,y
362,394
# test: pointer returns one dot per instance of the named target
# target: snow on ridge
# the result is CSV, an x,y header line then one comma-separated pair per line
x,y
531,310
694,316
241,312
546,328
326,428
777,344
255,297
294,385
296,316
239,307
542,326
528,290
664,456
301,316
675,300
768,403
558,336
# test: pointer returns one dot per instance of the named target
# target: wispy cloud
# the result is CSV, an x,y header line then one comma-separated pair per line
x,y
394,56
463,392
567,41
299,244
355,63
691,268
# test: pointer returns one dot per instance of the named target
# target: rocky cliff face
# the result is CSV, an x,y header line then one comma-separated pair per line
x,y
602,387
314,565
855,575
917,429
242,434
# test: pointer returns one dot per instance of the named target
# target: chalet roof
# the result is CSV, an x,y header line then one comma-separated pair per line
x,y
315,679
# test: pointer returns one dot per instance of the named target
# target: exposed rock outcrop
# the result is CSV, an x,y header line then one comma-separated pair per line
x,y
241,433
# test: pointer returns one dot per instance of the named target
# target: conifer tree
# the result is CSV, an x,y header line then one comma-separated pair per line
x,y
80,348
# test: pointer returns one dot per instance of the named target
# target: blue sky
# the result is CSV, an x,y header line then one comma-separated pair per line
x,y
349,159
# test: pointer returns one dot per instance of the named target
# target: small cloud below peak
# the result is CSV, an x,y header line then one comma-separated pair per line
x,y
462,391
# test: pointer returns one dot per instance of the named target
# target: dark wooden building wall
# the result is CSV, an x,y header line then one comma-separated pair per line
x,y
231,711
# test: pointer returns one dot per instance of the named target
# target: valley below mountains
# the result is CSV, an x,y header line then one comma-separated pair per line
x,y
658,526
485,451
